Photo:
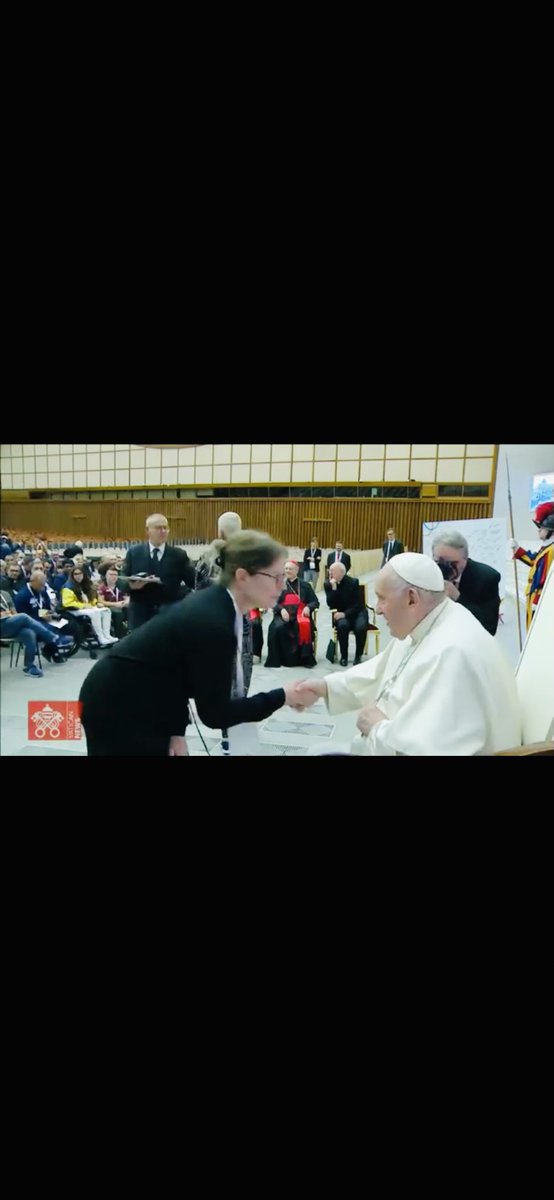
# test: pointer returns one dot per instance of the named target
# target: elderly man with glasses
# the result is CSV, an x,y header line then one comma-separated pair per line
x,y
291,634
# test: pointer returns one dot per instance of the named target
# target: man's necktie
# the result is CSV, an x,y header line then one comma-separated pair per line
x,y
155,557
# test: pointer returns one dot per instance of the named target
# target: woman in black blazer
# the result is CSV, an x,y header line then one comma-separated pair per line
x,y
135,700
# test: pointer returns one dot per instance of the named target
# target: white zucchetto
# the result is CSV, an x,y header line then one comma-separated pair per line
x,y
419,570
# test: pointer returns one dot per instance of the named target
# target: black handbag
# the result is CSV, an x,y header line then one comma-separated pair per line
x,y
331,652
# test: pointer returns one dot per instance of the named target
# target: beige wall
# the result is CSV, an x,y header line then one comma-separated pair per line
x,y
40,466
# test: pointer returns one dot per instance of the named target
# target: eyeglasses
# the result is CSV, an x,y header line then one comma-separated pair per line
x,y
277,578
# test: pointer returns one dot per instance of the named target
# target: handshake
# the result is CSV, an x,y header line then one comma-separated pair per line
x,y
300,695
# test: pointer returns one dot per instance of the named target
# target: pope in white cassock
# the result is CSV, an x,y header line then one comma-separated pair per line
x,y
441,687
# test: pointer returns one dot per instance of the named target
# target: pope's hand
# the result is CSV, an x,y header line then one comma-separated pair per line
x,y
307,693
368,717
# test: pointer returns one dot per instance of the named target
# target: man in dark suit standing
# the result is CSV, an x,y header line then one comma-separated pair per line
x,y
343,593
339,555
391,547
474,585
162,569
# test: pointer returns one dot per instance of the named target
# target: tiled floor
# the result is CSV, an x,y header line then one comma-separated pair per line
x,y
285,733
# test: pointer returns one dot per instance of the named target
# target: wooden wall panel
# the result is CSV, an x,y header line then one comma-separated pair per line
x,y
359,523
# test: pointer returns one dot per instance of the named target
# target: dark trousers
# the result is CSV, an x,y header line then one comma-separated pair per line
x,y
118,714
357,625
119,624
26,630
257,637
139,614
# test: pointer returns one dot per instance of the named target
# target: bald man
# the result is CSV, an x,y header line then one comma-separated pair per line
x,y
208,569
153,573
344,594
442,686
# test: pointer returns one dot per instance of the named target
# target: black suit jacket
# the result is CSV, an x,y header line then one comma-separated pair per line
x,y
144,683
173,567
344,558
479,593
397,548
347,597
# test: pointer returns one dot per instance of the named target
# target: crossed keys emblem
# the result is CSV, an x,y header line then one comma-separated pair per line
x,y
47,719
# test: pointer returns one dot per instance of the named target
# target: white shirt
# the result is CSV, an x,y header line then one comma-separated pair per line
x,y
160,549
446,690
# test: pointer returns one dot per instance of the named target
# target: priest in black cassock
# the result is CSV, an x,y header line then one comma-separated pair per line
x,y
291,633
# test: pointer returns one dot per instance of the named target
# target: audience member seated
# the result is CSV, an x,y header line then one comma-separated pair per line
x,y
39,565
51,567
6,545
66,570
73,549
291,633
113,599
9,547
35,599
40,551
343,593
14,579
24,629
109,560
58,577
80,599
82,562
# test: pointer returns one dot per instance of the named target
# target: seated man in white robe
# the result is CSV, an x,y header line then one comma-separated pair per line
x,y
441,687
